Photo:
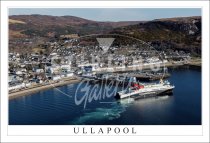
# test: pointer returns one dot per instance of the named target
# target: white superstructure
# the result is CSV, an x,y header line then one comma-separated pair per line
x,y
148,89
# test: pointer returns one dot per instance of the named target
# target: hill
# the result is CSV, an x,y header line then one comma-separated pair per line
x,y
182,33
45,25
179,33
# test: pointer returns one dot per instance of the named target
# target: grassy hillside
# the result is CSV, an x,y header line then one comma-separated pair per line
x,y
180,33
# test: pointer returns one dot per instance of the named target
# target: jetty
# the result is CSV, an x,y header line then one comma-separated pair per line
x,y
149,76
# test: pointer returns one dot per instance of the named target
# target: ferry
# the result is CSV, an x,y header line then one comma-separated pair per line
x,y
146,90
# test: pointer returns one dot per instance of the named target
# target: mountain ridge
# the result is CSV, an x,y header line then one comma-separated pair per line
x,y
179,33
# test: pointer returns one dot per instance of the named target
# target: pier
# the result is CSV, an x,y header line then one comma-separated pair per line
x,y
150,77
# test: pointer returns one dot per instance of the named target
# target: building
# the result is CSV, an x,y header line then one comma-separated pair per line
x,y
56,77
69,74
12,78
52,69
89,67
70,36
39,70
65,67
16,86
27,84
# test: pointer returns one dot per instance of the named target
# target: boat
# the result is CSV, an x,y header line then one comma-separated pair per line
x,y
138,90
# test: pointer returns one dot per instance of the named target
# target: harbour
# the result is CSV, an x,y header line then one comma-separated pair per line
x,y
115,76
43,105
111,72
129,72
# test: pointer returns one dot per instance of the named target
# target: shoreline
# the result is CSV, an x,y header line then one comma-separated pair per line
x,y
195,63
39,88
32,90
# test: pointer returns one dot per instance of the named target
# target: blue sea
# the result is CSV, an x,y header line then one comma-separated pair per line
x,y
58,107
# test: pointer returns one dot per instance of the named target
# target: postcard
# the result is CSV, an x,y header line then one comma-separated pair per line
x,y
120,71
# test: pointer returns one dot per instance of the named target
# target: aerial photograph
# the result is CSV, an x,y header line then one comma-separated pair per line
x,y
104,66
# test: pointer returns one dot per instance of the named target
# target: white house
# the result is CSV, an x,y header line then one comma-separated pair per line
x,y
52,69
28,84
65,67
69,74
23,70
16,86
19,72
39,70
56,77
152,60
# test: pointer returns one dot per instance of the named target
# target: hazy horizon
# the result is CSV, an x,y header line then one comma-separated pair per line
x,y
111,14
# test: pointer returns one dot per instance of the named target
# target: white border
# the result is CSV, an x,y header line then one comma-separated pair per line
x,y
64,133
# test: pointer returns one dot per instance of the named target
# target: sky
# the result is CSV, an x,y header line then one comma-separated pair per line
x,y
111,14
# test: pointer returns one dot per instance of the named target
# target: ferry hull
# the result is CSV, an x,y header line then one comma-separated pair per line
x,y
147,94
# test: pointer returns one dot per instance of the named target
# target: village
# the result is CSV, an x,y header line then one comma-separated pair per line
x,y
69,61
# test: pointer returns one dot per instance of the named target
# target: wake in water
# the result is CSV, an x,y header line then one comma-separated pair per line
x,y
98,114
